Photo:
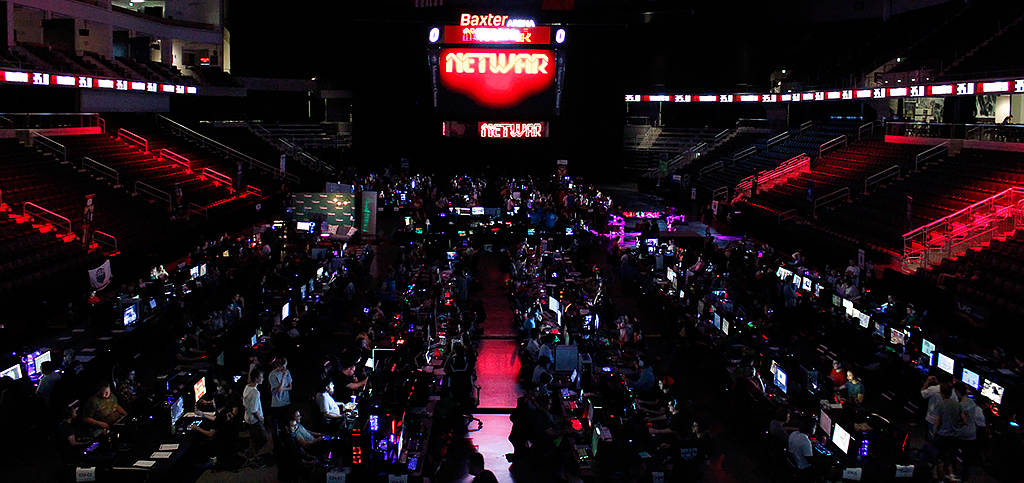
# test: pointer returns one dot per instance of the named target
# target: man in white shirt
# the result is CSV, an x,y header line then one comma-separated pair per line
x,y
800,447
50,377
854,272
254,414
329,408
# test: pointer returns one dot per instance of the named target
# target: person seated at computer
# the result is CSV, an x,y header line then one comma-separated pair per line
x,y
214,431
533,346
331,412
311,441
799,446
854,388
102,410
352,377
838,375
678,421
547,436
779,428
50,377
691,453
645,381
543,367
293,461
658,404
69,441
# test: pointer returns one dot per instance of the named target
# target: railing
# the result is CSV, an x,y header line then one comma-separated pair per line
x,y
53,120
134,138
59,222
102,123
806,127
57,148
105,239
217,177
720,136
754,123
829,145
839,194
746,153
1011,133
720,194
778,139
199,210
102,169
930,153
890,172
157,193
250,189
969,227
788,215
867,127
176,158
710,168
800,163
227,151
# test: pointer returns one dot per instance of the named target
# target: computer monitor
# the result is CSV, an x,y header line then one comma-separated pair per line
x,y
302,292
717,321
945,362
725,326
781,380
34,364
306,226
553,304
285,311
855,314
865,320
808,284
595,437
200,388
970,378
569,231
193,273
841,438
177,410
797,280
254,341
152,304
477,210
826,423
202,269
989,389
453,255
131,314
927,347
879,329
670,275
783,273
837,300
899,337
575,376
848,306
320,272
817,289
14,372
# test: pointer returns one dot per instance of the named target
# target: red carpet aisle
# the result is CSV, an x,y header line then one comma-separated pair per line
x,y
497,362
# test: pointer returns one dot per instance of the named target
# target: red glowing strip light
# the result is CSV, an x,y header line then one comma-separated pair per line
x,y
454,34
987,87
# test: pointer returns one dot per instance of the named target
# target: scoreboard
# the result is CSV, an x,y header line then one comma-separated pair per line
x,y
499,74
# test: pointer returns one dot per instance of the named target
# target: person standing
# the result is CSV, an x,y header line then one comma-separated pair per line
x,y
254,414
280,389
973,418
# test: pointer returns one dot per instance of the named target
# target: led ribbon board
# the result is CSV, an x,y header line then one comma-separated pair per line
x,y
497,78
513,130
497,35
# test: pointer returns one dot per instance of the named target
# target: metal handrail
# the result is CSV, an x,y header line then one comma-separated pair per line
x,y
724,133
827,145
177,159
135,138
254,190
52,145
788,214
806,127
154,192
746,153
880,176
709,168
228,152
778,138
105,239
223,178
92,164
720,193
102,123
870,126
199,210
56,216
929,154
830,198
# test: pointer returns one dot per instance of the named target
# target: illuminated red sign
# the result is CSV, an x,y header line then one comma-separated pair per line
x,y
497,78
512,130
497,35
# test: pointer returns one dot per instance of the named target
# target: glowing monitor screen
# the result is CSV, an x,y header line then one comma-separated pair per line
x,y
782,273
837,300
781,379
897,336
848,305
725,326
718,321
131,314
841,438
14,372
553,304
865,320
285,311
200,388
826,423
808,284
945,363
797,280
970,378
927,347
177,410
992,391
306,226
879,329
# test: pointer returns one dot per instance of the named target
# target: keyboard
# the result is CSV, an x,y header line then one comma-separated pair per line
x,y
821,449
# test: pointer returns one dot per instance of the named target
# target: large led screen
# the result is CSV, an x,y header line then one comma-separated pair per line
x,y
482,82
